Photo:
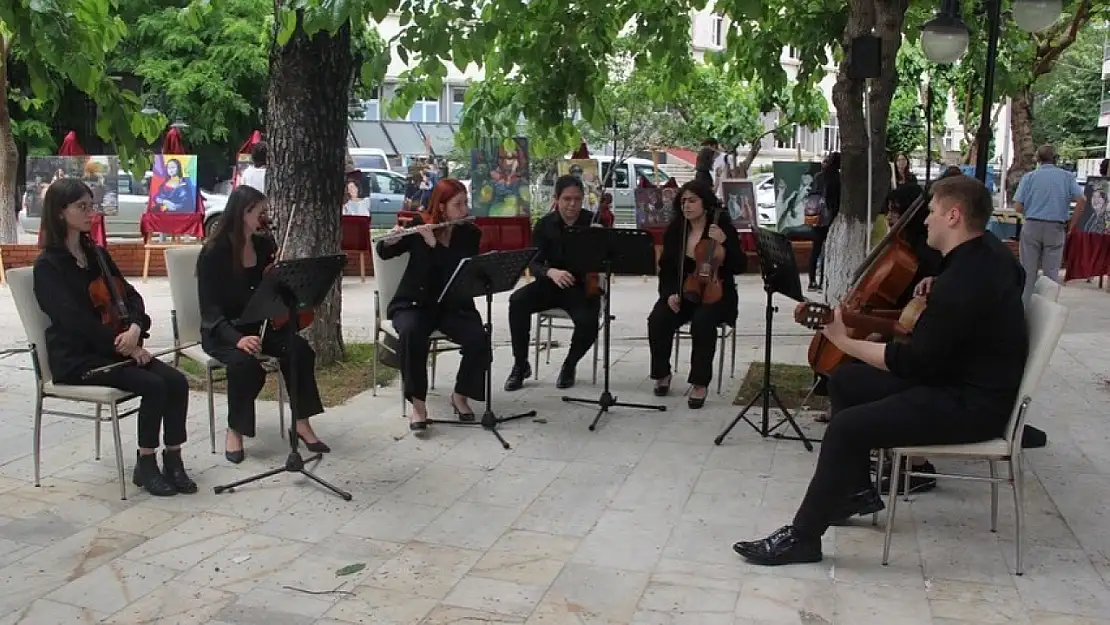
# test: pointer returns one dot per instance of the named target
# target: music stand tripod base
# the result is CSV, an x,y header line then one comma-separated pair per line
x,y
484,275
291,286
607,250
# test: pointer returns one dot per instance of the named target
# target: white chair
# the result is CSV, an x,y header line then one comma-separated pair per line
x,y
35,323
1046,323
181,268
724,331
557,318
387,278
1047,288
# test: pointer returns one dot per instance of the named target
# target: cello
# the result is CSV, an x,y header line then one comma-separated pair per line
x,y
870,304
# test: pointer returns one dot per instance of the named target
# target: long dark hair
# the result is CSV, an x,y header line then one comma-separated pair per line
x,y
61,193
229,230
709,202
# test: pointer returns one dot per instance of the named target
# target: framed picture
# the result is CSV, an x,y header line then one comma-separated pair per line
x,y
1096,216
739,198
499,179
173,185
100,173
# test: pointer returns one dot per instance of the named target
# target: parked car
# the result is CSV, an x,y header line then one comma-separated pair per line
x,y
133,196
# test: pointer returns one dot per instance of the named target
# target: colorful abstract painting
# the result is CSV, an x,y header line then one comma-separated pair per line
x,y
499,182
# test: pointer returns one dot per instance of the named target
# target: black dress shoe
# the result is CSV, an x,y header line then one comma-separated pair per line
x,y
147,475
867,501
465,417
235,457
566,377
174,470
661,390
317,448
696,403
782,547
418,426
519,373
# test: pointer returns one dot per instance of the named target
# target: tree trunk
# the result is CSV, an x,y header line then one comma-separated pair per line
x,y
1021,130
846,246
9,157
306,127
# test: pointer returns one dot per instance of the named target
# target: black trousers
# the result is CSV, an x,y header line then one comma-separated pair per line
x,y
820,233
704,320
542,294
164,402
462,326
872,409
245,378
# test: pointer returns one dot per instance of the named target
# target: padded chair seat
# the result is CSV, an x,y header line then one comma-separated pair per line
x,y
557,313
997,448
79,392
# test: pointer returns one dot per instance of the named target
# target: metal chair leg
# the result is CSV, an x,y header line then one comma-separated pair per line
x,y
37,435
732,374
994,495
374,367
114,409
435,358
1018,482
892,503
720,359
536,348
550,327
98,409
209,381
880,456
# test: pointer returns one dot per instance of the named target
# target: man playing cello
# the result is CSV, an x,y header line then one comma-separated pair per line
x,y
954,381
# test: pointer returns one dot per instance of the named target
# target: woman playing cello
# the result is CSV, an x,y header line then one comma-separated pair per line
x,y
75,283
229,268
416,311
699,223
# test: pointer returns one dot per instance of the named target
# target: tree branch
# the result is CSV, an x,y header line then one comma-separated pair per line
x,y
1048,52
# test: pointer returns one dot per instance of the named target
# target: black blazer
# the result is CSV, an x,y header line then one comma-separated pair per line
x,y
736,261
76,340
429,268
547,238
224,294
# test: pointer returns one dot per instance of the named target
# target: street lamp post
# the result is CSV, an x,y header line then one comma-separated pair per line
x,y
944,40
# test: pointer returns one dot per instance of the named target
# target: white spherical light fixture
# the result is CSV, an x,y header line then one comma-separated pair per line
x,y
1036,15
944,39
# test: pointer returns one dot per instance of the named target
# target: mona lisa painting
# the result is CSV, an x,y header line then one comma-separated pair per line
x,y
173,186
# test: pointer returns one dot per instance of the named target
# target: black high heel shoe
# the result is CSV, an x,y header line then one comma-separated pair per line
x,y
661,390
463,416
317,448
696,403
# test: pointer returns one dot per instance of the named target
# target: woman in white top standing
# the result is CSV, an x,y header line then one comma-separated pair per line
x,y
255,174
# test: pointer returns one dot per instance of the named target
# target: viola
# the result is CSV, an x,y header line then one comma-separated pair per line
x,y
106,293
703,285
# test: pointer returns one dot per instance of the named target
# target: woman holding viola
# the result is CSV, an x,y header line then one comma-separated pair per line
x,y
698,217
416,312
230,267
71,277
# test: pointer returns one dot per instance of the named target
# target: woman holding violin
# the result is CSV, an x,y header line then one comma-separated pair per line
x,y
701,255
96,319
436,242
230,267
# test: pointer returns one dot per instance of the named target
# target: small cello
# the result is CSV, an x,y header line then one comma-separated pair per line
x,y
703,285
878,283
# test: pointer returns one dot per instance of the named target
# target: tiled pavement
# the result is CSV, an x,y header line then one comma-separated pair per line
x,y
629,524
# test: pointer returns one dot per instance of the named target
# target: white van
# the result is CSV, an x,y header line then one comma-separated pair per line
x,y
369,158
622,186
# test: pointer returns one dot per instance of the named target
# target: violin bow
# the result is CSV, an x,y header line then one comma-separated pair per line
x,y
280,257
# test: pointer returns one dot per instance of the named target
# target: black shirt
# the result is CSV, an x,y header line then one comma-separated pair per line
x,y
224,293
77,340
430,268
547,237
972,338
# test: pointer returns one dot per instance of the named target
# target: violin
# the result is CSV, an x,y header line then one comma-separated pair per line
x,y
304,318
703,285
106,293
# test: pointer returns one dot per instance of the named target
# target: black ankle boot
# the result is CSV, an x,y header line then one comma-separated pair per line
x,y
148,476
174,472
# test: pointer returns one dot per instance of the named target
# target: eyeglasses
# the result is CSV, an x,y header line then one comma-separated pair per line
x,y
84,206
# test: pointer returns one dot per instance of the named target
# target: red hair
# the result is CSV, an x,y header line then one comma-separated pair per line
x,y
444,191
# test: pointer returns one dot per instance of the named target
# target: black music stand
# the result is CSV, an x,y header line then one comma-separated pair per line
x,y
484,275
607,250
289,287
780,275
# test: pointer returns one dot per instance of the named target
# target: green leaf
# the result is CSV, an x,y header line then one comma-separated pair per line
x,y
288,26
350,569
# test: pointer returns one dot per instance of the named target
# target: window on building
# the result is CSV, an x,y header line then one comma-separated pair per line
x,y
424,111
788,142
373,106
718,34
950,144
791,52
831,136
458,100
